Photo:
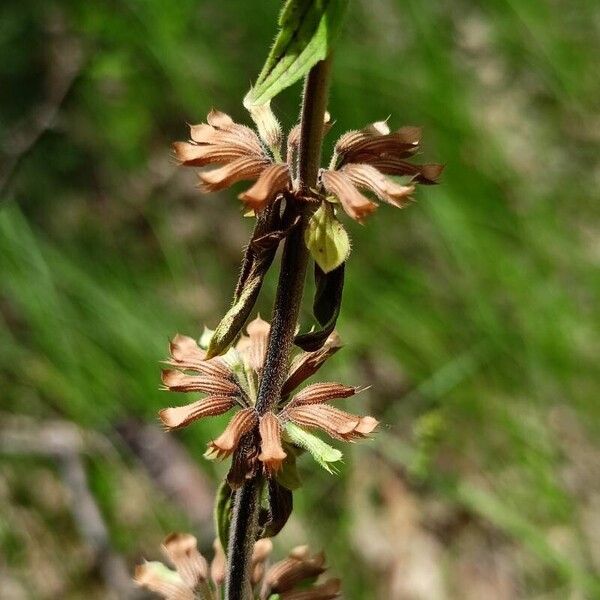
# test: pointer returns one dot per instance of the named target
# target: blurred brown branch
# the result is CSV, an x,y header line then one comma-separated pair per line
x,y
66,443
65,58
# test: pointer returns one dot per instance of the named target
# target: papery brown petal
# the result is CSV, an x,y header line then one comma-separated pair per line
x,y
261,552
182,550
336,423
203,133
240,136
199,155
322,392
218,564
367,176
403,142
307,364
353,202
377,128
151,578
258,333
180,416
186,354
215,367
270,182
428,174
218,119
242,422
366,425
301,552
247,167
349,140
363,144
176,381
325,591
185,347
272,453
285,574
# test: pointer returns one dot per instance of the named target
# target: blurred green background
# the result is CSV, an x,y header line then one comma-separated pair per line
x,y
473,314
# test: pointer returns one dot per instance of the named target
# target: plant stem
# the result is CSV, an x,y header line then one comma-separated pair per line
x,y
314,105
283,323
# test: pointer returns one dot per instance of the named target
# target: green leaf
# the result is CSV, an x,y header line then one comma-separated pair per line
x,y
308,30
322,452
327,239
223,507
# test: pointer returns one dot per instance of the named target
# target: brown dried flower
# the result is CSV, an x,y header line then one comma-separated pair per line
x,y
293,578
362,161
233,379
241,155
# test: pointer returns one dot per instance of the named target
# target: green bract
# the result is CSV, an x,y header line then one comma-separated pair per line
x,y
322,452
327,239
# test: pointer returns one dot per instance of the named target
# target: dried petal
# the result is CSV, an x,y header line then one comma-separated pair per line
x,y
272,453
366,176
325,591
186,354
308,363
323,392
203,133
358,146
218,564
218,119
176,381
241,423
253,348
182,550
247,167
366,425
240,136
336,423
377,128
285,574
353,202
261,552
181,416
184,347
199,155
390,165
270,182
157,578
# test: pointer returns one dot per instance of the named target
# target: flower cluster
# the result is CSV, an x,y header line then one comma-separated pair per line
x,y
242,155
363,160
292,578
232,380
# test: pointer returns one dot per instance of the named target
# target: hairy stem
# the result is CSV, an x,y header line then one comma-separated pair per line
x,y
283,323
